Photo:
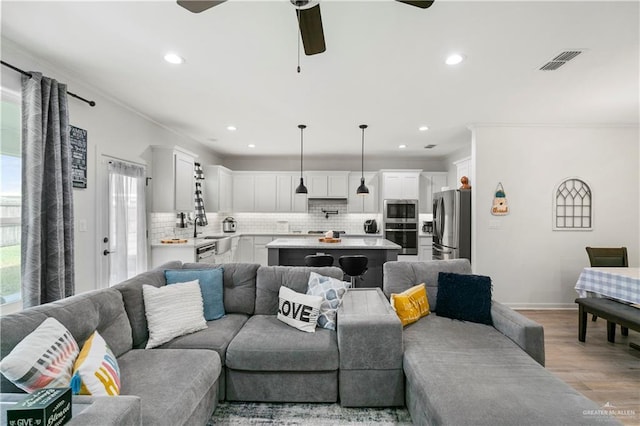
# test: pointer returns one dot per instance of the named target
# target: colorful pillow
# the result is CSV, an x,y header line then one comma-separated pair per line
x,y
172,311
332,291
210,285
298,310
464,297
43,359
96,370
411,305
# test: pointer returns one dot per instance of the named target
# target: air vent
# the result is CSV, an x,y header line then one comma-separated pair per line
x,y
430,146
560,59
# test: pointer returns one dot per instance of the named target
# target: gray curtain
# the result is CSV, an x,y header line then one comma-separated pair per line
x,y
47,194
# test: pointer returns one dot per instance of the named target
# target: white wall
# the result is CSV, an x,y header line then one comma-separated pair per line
x,y
334,162
530,264
113,129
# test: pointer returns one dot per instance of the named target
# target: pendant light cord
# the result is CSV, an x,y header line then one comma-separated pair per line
x,y
301,148
362,156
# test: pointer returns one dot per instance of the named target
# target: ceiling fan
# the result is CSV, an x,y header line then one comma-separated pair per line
x,y
309,19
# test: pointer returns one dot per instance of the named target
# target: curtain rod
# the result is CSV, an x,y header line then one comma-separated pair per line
x,y
91,103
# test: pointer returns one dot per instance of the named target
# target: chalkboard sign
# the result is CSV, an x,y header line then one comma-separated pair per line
x,y
78,140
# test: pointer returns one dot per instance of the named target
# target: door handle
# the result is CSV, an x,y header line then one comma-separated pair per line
x,y
107,252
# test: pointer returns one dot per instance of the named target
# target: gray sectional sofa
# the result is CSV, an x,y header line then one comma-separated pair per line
x,y
447,372
248,355
463,373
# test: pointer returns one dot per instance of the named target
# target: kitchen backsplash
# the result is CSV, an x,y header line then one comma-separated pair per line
x,y
163,224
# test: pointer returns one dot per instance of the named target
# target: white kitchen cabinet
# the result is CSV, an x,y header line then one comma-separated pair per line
x,y
401,185
172,179
363,203
286,198
243,192
260,251
265,186
218,189
430,182
327,184
464,167
424,248
161,254
244,250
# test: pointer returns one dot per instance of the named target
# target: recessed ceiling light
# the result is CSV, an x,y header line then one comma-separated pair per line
x,y
403,146
423,128
454,59
251,145
173,58
231,128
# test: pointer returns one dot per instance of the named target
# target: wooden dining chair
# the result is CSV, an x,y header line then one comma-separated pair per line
x,y
615,257
608,257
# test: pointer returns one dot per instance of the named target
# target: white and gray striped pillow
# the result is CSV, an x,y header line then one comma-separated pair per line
x,y
173,311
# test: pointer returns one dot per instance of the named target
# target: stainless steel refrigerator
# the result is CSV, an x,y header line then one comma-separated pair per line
x,y
452,224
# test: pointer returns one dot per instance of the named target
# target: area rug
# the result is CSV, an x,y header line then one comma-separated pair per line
x,y
247,413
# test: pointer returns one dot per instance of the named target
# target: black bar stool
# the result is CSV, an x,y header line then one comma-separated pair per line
x,y
318,260
354,266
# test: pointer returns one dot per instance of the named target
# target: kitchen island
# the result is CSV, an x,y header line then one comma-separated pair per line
x,y
292,251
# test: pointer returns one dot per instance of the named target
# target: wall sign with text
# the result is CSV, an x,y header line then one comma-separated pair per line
x,y
78,139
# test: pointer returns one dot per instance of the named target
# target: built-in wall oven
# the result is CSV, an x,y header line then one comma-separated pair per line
x,y
401,224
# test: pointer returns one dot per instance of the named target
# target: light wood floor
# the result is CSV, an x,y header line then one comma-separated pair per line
x,y
602,371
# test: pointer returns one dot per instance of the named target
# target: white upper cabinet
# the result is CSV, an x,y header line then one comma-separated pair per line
x,y
218,189
265,188
267,192
327,184
243,190
286,198
173,182
401,185
430,182
363,203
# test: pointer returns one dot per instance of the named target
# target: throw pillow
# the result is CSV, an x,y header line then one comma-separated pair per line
x,y
172,311
411,305
332,291
210,285
298,310
43,359
464,297
96,370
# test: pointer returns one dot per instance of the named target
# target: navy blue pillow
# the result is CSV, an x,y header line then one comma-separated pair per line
x,y
464,297
210,285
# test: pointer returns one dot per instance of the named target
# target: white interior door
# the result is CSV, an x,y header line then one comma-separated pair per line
x,y
122,237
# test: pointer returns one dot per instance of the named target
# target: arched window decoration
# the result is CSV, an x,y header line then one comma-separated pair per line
x,y
573,206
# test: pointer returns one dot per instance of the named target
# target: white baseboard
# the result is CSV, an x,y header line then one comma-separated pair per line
x,y
542,306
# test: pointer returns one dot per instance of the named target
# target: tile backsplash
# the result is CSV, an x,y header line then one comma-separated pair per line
x,y
163,224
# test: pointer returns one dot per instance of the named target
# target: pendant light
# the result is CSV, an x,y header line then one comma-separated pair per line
x,y
362,189
301,189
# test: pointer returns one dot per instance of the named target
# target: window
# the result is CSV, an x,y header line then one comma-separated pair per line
x,y
573,206
10,196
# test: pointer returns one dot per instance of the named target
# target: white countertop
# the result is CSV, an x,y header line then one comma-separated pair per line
x,y
345,243
197,242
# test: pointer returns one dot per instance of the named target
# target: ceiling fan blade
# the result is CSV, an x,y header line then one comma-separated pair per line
x,y
311,31
197,6
422,4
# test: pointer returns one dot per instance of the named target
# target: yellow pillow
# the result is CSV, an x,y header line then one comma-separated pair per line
x,y
411,304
